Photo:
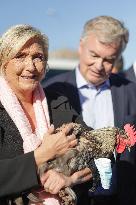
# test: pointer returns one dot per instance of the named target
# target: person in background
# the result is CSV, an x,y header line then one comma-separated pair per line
x,y
119,65
25,120
102,98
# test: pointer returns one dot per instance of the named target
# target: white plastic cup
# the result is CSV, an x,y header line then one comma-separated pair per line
x,y
104,167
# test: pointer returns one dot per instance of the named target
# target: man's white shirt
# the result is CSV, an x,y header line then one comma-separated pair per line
x,y
96,103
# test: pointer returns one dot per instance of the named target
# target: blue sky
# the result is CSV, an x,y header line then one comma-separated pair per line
x,y
63,20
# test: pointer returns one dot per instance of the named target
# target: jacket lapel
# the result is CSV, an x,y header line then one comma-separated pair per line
x,y
118,99
72,91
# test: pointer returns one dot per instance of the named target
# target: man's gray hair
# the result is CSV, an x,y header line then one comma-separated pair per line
x,y
16,37
108,30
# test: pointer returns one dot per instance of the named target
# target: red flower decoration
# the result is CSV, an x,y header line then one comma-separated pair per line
x,y
130,130
123,143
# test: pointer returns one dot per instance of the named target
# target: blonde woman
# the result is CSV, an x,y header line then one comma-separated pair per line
x,y
25,122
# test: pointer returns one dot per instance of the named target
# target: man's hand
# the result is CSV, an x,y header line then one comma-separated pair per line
x,y
81,176
53,181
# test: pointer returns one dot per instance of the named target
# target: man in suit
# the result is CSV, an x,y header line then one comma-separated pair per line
x,y
101,98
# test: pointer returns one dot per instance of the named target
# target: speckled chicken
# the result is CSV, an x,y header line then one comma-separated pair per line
x,y
92,144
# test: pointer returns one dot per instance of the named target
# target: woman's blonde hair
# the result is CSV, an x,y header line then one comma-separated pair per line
x,y
15,38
